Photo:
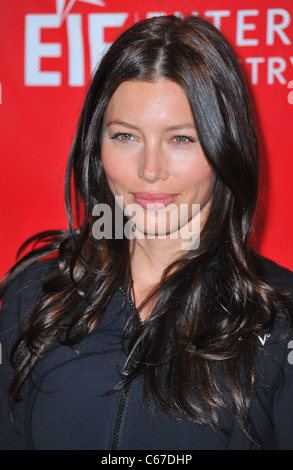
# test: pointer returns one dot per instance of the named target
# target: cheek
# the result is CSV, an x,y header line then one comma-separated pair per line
x,y
198,176
208,180
110,163
116,170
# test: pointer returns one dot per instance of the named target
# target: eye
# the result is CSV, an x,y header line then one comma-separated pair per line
x,y
122,136
182,139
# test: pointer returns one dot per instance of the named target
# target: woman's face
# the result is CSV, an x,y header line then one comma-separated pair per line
x,y
152,157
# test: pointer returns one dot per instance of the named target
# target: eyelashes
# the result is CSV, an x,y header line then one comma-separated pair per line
x,y
122,136
176,140
183,139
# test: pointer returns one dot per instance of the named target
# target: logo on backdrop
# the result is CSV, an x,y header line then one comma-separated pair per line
x,y
290,96
263,64
35,49
63,7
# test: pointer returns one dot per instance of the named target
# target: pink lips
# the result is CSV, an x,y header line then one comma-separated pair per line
x,y
154,200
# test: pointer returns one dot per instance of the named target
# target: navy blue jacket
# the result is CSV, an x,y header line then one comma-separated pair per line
x,y
67,407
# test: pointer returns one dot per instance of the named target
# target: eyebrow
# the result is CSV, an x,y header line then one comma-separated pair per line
x,y
186,125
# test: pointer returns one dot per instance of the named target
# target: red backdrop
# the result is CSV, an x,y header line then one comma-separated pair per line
x,y
48,50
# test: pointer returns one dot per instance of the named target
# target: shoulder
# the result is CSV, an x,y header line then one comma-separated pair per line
x,y
276,276
29,280
22,293
277,341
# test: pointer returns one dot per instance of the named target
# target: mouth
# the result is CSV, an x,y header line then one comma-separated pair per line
x,y
154,201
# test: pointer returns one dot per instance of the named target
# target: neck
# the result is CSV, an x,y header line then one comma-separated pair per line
x,y
149,259
151,256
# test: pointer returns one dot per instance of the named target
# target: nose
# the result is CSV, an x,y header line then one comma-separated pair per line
x,y
153,165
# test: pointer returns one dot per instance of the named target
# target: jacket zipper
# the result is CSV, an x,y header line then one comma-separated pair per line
x,y
121,413
120,419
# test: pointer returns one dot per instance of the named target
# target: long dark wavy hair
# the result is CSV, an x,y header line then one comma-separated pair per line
x,y
190,353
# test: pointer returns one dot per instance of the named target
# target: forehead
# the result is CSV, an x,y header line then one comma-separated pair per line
x,y
157,100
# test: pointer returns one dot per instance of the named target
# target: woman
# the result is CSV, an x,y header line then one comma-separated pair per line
x,y
146,340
